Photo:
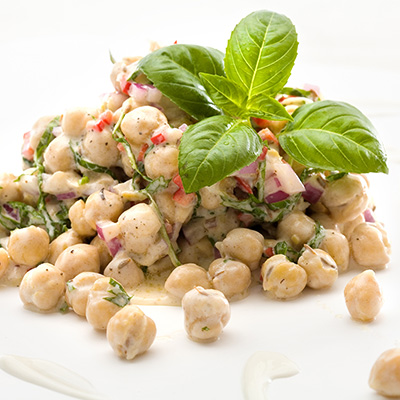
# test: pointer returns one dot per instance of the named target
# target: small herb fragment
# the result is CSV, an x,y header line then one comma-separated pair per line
x,y
120,298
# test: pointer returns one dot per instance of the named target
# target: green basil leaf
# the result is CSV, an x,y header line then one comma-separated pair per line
x,y
45,140
225,94
261,53
266,107
215,148
308,94
175,69
333,136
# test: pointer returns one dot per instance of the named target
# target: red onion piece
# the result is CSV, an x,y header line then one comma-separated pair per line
x,y
183,127
194,231
217,253
369,216
277,196
11,211
312,194
114,246
66,196
107,230
249,169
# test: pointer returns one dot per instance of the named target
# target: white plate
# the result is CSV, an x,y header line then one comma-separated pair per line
x,y
45,74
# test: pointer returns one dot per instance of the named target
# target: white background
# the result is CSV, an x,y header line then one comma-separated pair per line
x,y
54,55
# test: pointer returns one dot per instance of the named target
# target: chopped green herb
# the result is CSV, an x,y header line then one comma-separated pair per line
x,y
83,180
70,286
64,308
205,328
120,298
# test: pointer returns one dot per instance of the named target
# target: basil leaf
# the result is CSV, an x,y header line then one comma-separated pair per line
x,y
120,298
215,148
308,94
225,94
175,69
261,53
45,140
266,107
333,136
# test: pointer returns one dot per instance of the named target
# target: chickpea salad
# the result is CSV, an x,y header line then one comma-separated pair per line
x,y
200,179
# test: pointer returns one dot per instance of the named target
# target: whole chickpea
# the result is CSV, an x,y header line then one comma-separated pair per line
x,y
337,246
60,243
363,296
283,278
369,246
207,312
321,268
139,124
124,270
102,303
78,258
346,197
38,129
114,100
10,190
201,253
104,253
245,245
103,205
185,278
77,291
385,373
74,121
78,221
230,277
130,332
162,161
211,197
28,246
325,220
172,211
4,262
348,227
58,156
42,287
296,228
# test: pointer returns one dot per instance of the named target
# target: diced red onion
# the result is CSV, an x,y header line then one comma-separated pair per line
x,y
369,216
11,211
312,88
183,127
249,169
138,92
114,246
312,194
246,218
66,196
277,196
107,230
210,223
217,253
153,94
194,231
57,131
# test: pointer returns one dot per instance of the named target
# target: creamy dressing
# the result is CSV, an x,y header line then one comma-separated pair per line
x,y
50,376
261,369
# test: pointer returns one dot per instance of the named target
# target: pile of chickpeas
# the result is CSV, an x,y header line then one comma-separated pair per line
x,y
79,271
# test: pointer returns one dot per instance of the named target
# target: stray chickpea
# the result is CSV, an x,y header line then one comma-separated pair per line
x,y
245,245
207,312
130,332
42,287
4,262
78,222
78,258
185,278
106,297
385,374
60,243
230,277
337,246
321,268
369,246
283,278
296,228
124,270
363,296
103,205
28,246
77,291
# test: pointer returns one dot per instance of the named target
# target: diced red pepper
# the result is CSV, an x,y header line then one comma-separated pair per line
x,y
269,251
124,84
158,139
266,134
182,198
178,181
105,118
142,152
246,218
120,147
27,150
262,123
244,185
263,154
176,42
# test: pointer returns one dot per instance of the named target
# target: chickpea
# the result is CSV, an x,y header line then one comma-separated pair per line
x,y
58,156
140,123
99,310
114,101
296,228
173,212
337,246
321,268
369,246
29,246
346,197
77,291
61,182
325,220
162,161
185,278
38,129
282,278
104,253
100,147
10,190
78,222
4,262
207,312
60,243
201,253
230,277
385,373
42,287
244,245
78,258
124,270
130,332
74,121
211,197
118,68
348,227
363,296
103,205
